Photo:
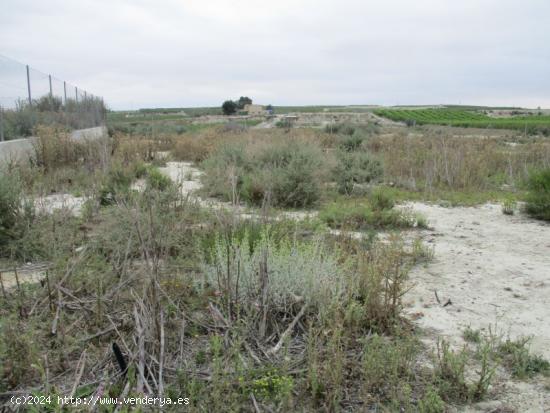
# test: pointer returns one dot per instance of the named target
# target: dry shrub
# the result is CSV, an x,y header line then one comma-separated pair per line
x,y
55,149
437,160
191,148
132,148
381,282
198,146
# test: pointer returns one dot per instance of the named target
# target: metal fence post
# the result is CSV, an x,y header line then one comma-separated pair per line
x,y
29,85
51,92
65,91
76,93
1,124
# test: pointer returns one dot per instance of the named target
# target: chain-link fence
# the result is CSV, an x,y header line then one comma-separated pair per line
x,y
29,97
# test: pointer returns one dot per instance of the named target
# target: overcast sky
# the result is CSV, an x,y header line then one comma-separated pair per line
x,y
170,53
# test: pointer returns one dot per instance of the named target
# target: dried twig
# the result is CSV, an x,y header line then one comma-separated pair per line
x,y
217,315
2,285
264,282
141,352
98,334
57,314
182,338
287,332
80,371
255,403
161,355
437,297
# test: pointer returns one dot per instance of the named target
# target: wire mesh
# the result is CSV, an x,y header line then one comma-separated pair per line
x,y
29,97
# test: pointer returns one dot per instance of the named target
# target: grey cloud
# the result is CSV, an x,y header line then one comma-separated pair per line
x,y
199,52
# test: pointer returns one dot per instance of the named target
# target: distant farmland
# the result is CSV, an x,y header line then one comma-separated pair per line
x,y
468,119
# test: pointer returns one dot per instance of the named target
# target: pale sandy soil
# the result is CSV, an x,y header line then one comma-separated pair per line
x,y
28,273
70,203
495,269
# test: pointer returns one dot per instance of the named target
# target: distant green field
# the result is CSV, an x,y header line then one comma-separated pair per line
x,y
178,113
467,119
147,123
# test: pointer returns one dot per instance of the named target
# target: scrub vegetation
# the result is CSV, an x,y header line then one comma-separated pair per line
x,y
148,290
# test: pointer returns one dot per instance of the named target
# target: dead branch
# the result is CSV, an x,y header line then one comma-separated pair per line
x,y
80,370
217,314
161,355
288,331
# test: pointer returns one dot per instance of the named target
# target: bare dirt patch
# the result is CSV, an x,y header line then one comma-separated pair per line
x,y
495,270
48,204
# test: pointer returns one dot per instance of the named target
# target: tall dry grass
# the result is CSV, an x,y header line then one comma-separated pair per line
x,y
436,160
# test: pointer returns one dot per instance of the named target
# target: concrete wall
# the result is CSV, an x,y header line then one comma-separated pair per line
x,y
19,149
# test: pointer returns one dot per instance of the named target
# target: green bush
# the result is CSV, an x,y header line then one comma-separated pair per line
x,y
299,272
431,402
285,172
157,180
364,216
538,199
352,143
386,363
296,185
377,212
520,361
381,199
116,182
340,129
355,168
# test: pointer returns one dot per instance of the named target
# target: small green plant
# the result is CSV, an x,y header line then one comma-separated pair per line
x,y
381,199
508,207
472,336
431,402
451,372
387,362
140,169
116,182
362,216
421,252
273,386
520,361
157,180
538,199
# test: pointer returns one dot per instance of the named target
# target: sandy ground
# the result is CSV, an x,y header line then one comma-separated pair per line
x,y
28,273
48,204
495,269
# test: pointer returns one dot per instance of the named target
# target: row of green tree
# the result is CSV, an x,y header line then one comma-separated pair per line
x,y
230,107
